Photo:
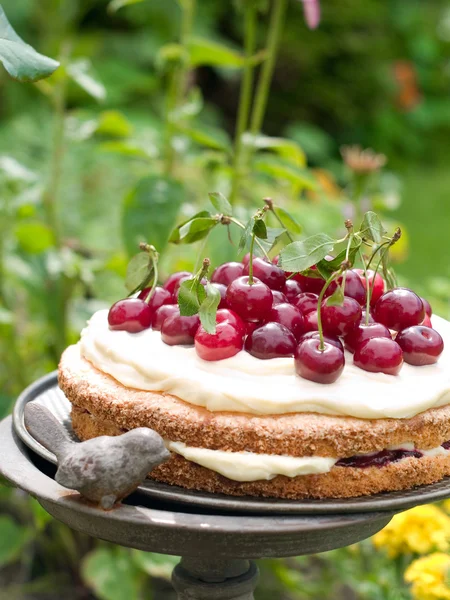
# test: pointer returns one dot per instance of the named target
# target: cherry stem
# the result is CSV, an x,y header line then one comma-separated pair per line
x,y
204,270
328,282
154,258
269,204
250,260
377,249
369,288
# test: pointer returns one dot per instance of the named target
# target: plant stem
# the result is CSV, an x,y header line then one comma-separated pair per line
x,y
178,81
51,195
265,80
245,97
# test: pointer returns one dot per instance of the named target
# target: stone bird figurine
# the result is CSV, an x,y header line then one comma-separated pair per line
x,y
104,469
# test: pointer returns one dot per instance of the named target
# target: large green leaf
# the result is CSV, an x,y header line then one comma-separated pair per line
x,y
150,211
210,137
281,169
299,256
287,149
207,52
20,60
13,538
111,574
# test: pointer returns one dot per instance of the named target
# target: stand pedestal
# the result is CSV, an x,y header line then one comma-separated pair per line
x,y
215,580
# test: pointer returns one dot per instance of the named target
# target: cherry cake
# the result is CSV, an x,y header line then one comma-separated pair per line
x,y
291,396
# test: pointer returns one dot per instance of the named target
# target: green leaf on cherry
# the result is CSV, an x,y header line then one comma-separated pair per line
x,y
288,221
372,228
336,298
220,203
190,296
298,256
139,272
196,229
193,229
246,234
275,236
260,229
208,308
327,267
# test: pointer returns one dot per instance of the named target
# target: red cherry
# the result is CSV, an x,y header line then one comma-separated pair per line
x,y
420,345
270,274
225,315
246,259
292,289
310,284
427,307
179,331
160,296
321,366
226,342
354,287
399,308
315,335
164,311
173,281
250,326
311,321
306,302
227,273
272,340
427,322
131,314
251,302
278,297
364,332
223,293
340,320
289,316
377,287
379,355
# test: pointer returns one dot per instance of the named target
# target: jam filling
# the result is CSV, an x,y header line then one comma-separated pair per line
x,y
383,458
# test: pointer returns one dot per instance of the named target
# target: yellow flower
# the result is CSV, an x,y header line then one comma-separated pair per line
x,y
429,577
417,531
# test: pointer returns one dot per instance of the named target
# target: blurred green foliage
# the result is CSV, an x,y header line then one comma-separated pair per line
x,y
127,138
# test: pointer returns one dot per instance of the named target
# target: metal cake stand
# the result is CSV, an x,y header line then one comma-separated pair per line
x,y
216,541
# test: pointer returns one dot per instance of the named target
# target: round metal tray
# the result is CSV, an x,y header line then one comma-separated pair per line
x,y
46,392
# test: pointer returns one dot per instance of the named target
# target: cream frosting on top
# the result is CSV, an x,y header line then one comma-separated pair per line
x,y
247,384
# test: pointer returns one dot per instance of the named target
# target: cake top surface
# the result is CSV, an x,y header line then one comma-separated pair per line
x,y
246,384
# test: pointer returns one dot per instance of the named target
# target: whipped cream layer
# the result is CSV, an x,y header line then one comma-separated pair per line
x,y
248,466
247,384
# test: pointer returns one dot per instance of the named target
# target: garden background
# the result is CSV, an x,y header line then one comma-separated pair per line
x,y
144,118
